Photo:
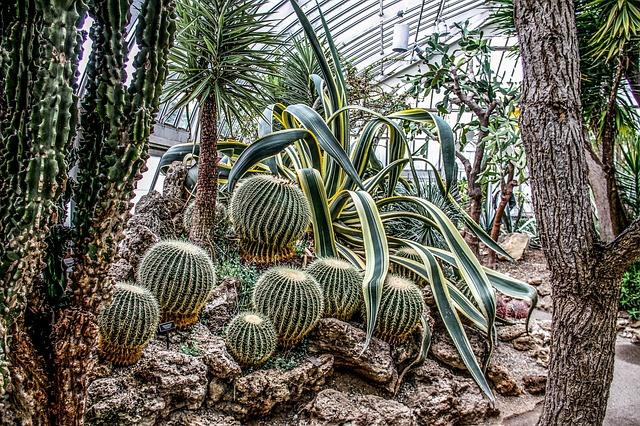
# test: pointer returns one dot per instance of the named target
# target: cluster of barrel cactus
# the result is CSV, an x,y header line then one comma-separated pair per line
x,y
341,285
291,299
181,275
401,308
251,338
269,215
127,324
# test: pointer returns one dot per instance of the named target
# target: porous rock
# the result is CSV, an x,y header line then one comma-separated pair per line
x,y
161,382
535,383
515,244
259,392
345,342
443,349
223,305
440,398
200,418
503,380
213,353
332,407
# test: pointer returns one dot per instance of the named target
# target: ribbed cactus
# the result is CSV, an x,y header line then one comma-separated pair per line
x,y
269,214
408,253
181,276
341,285
292,299
127,324
251,338
400,309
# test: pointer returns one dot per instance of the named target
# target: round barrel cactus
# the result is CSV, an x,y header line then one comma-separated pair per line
x,y
400,310
181,276
408,253
251,338
291,299
269,214
341,285
127,324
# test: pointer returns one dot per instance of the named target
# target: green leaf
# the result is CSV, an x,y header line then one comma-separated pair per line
x,y
323,236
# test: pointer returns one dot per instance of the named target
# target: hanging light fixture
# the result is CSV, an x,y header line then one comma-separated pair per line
x,y
400,36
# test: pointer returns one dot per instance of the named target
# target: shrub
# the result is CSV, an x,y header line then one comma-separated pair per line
x,y
630,292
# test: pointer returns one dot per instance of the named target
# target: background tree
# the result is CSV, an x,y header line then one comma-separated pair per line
x,y
224,50
585,270
608,37
48,331
463,73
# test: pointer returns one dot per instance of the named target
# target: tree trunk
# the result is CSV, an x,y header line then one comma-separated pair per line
x,y
598,182
202,226
585,288
506,190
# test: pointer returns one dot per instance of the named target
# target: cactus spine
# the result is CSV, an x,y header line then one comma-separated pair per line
x,y
401,307
181,276
291,299
341,286
269,214
251,338
127,324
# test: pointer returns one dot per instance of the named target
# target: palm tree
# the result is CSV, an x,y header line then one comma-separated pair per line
x,y
224,51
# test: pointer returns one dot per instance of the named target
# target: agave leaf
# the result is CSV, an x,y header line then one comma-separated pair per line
x,y
351,256
445,137
323,236
312,121
268,146
376,255
450,316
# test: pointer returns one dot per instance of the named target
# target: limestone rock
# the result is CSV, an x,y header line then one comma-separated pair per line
x,y
137,240
511,332
503,380
160,383
439,398
442,349
345,342
259,392
213,353
535,383
200,418
173,186
223,305
121,270
515,244
331,407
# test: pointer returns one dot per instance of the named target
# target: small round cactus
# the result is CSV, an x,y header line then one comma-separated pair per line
x,y
408,253
269,215
251,338
127,324
341,285
181,276
400,310
291,299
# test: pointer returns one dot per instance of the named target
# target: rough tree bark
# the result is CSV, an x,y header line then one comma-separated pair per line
x,y
585,273
507,183
201,232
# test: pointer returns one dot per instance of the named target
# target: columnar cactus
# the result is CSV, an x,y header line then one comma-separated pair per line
x,y
408,253
401,307
292,299
341,285
251,338
127,324
181,275
269,214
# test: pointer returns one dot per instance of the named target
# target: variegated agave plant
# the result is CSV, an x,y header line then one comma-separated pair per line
x,y
347,222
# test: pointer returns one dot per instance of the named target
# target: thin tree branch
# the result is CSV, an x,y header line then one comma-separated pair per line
x,y
467,100
625,249
465,162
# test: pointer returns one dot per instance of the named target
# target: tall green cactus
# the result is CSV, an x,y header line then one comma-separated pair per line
x,y
39,55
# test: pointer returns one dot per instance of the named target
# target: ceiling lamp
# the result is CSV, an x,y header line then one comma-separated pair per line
x,y
400,38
